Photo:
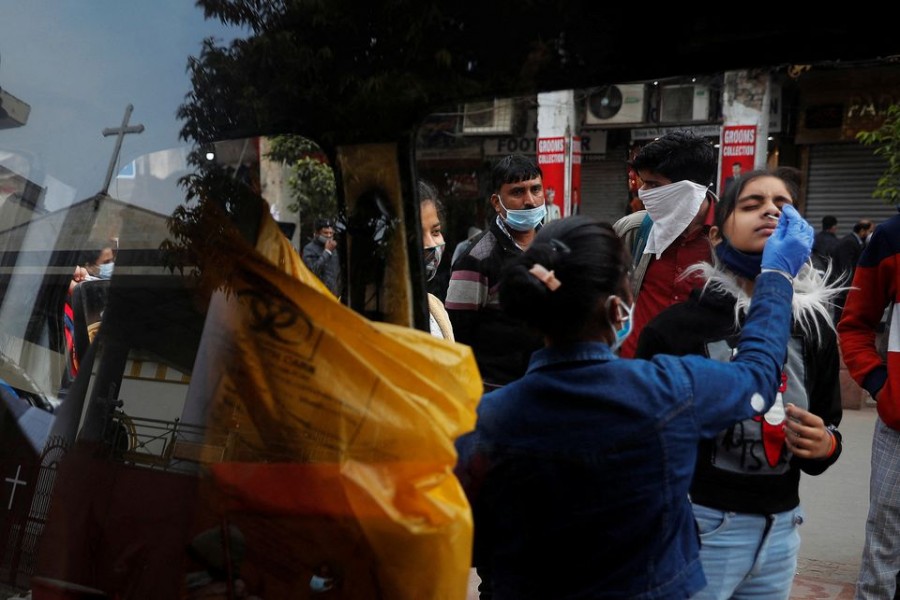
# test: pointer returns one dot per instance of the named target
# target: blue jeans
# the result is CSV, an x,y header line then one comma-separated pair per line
x,y
747,556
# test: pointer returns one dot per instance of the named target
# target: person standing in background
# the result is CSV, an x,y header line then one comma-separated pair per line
x,y
825,246
502,345
876,288
849,249
430,213
321,257
96,262
677,171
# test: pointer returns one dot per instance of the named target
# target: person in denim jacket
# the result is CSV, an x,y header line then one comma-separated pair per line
x,y
578,472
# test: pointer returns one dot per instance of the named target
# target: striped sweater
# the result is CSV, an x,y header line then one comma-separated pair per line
x,y
876,285
502,345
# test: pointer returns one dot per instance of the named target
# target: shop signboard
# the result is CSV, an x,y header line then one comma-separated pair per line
x,y
556,157
738,153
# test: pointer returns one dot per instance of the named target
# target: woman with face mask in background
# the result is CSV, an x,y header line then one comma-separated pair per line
x,y
96,262
578,472
99,260
745,492
433,242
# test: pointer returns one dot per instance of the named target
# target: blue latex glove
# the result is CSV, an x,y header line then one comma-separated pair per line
x,y
788,248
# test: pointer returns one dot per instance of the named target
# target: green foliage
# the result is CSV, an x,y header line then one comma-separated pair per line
x,y
886,140
218,209
311,182
348,72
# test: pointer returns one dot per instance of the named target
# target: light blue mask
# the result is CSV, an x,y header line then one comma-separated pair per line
x,y
525,219
622,334
106,270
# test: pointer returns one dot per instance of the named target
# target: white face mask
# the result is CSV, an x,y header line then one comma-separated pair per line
x,y
672,208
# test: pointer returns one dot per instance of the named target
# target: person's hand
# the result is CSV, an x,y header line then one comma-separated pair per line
x,y
806,435
330,245
789,247
78,276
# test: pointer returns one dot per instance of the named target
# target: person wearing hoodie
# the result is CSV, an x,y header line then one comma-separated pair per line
x,y
745,491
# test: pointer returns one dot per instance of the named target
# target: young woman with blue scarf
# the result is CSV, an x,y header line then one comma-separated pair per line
x,y
745,492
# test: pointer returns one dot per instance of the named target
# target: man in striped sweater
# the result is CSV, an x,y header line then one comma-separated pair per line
x,y
502,345
876,286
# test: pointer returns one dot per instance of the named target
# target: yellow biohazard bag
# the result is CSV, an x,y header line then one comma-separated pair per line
x,y
337,441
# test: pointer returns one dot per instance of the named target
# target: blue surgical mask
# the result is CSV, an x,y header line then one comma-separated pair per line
x,y
623,333
106,270
525,219
432,260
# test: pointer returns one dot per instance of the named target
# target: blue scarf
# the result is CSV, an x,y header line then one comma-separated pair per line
x,y
740,263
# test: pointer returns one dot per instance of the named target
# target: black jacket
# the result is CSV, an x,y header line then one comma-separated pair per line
x,y
733,471
501,344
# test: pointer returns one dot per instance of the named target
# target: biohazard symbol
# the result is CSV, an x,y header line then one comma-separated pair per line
x,y
276,317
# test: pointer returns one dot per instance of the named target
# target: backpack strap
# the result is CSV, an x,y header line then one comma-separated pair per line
x,y
640,241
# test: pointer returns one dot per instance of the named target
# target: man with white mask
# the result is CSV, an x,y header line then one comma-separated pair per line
x,y
677,171
502,345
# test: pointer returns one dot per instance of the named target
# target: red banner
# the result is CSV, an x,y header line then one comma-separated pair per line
x,y
738,148
551,156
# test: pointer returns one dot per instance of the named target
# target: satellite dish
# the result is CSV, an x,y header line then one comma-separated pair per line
x,y
606,102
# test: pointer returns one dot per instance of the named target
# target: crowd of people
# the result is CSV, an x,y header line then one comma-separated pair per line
x,y
654,388
677,471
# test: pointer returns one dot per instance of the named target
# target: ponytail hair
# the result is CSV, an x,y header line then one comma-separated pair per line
x,y
556,285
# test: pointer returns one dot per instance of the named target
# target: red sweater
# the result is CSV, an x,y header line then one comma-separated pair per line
x,y
876,285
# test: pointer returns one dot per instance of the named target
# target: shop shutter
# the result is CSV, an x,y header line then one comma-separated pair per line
x,y
604,189
842,178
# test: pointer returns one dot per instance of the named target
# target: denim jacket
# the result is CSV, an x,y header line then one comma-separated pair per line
x,y
578,473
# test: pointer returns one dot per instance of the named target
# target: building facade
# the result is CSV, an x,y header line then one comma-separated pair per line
x,y
813,115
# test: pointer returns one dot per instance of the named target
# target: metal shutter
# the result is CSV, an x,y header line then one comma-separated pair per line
x,y
842,178
604,189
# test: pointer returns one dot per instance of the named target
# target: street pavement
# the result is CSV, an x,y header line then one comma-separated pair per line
x,y
836,504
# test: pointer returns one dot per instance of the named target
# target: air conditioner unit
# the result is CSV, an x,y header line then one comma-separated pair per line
x,y
683,103
491,117
618,104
